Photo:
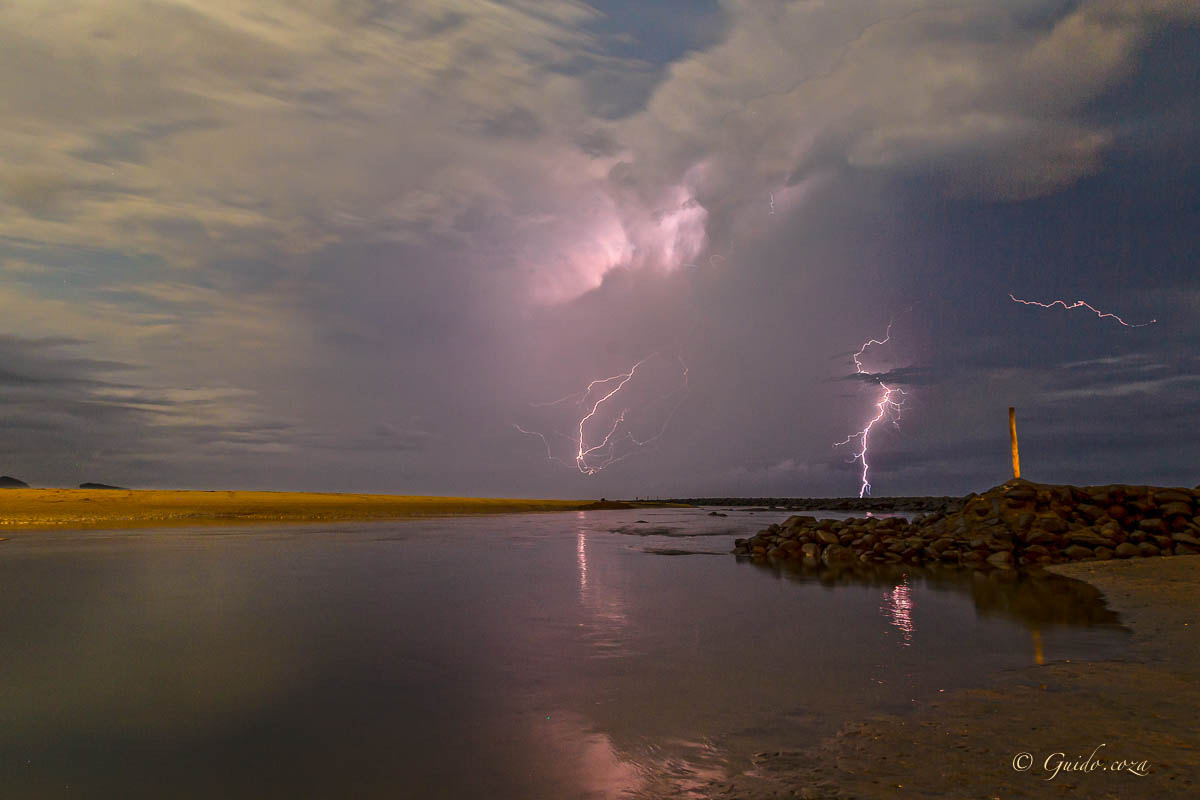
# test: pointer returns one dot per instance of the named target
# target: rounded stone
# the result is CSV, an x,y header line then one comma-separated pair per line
x,y
1127,550
1176,510
1077,552
1153,525
836,554
1004,558
1173,496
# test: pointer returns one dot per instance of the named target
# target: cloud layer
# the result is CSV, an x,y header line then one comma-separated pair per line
x,y
347,244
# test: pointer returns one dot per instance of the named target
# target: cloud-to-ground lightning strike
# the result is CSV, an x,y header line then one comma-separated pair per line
x,y
590,458
887,408
1081,304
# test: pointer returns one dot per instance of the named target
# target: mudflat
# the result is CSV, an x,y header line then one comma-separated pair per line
x,y
121,508
1104,729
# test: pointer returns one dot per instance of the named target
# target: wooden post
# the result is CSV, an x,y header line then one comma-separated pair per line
x,y
1012,434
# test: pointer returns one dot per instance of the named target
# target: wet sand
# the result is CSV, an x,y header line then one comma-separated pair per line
x,y
1093,715
121,508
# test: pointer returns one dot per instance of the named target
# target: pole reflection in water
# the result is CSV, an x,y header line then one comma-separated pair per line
x,y
898,605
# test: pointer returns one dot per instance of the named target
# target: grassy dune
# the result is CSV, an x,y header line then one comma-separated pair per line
x,y
120,508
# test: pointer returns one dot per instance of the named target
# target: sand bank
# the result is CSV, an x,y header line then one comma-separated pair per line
x,y
1004,741
96,508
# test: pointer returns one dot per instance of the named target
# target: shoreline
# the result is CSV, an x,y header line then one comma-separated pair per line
x,y
1138,707
864,505
56,509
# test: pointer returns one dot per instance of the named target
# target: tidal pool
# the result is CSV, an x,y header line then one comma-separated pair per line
x,y
582,655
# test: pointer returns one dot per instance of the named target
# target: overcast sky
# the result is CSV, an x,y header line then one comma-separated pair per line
x,y
359,245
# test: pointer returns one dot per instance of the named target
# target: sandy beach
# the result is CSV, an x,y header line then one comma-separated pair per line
x,y
121,508
1109,729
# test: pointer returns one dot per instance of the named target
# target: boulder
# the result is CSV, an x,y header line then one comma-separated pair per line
x,y
1002,559
836,554
1175,509
1089,538
1164,496
1127,550
1152,526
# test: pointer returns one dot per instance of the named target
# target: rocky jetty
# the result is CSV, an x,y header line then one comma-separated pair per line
x,y
863,504
1018,523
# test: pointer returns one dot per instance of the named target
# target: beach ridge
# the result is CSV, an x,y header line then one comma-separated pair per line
x,y
122,508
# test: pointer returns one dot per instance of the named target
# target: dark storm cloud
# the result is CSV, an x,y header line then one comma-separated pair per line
x,y
95,414
905,376
131,146
43,362
598,143
517,123
38,194
1123,376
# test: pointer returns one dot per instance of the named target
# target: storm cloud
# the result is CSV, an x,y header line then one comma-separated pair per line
x,y
349,245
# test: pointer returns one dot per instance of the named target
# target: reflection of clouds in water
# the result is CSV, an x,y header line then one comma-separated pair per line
x,y
673,768
131,647
898,606
588,764
584,760
605,618
693,774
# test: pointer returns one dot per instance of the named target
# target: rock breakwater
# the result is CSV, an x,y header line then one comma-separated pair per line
x,y
1019,523
861,504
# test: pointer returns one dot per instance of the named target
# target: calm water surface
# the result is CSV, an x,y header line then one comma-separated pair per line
x,y
533,656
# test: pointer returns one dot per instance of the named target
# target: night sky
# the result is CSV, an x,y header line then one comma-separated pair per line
x,y
352,245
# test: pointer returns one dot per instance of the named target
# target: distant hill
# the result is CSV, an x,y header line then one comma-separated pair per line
x,y
8,482
101,486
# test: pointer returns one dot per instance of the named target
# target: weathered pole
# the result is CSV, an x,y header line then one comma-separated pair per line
x,y
1012,434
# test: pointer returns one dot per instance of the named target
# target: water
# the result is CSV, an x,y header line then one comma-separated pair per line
x,y
579,655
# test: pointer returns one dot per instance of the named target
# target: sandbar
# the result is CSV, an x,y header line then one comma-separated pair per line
x,y
22,509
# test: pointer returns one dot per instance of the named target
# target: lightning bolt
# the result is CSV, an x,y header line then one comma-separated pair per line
x,y
772,204
592,450
887,408
1081,304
